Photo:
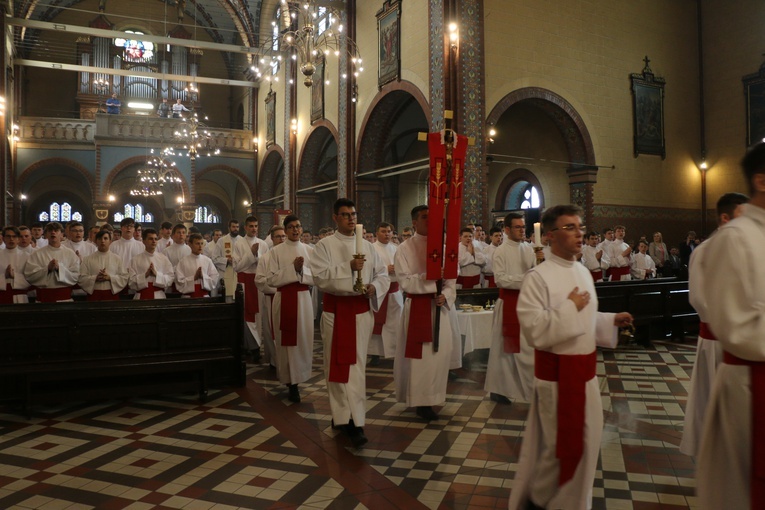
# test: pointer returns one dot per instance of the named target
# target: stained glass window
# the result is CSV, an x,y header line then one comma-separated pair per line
x,y
60,212
44,216
77,216
55,212
135,211
134,49
205,214
118,217
66,212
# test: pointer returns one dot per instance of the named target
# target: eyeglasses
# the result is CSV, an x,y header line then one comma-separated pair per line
x,y
570,228
294,227
519,227
348,215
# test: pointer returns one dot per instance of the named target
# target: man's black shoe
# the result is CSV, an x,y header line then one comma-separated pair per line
x,y
294,394
427,413
500,399
255,355
358,439
374,360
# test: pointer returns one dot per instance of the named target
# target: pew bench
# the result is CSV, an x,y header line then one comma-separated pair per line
x,y
73,351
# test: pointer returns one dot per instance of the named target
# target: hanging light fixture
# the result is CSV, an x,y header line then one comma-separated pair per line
x,y
155,178
192,139
308,31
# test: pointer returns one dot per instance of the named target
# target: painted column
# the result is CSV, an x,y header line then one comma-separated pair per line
x,y
581,182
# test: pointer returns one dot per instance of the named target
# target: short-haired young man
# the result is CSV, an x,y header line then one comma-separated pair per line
x,y
25,240
487,272
13,285
76,241
165,233
150,272
179,249
388,318
195,273
103,276
619,256
126,247
594,258
471,261
38,239
278,235
53,269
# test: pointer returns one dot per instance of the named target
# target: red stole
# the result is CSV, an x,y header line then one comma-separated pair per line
x,y
616,273
382,315
420,327
757,388
53,295
571,372
705,332
103,295
148,292
468,282
511,326
343,355
251,306
288,323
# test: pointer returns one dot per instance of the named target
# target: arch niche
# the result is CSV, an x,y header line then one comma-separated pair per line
x,y
543,141
318,165
56,180
389,137
225,190
270,187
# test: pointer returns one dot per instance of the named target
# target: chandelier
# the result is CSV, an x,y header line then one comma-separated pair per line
x,y
155,178
309,31
191,139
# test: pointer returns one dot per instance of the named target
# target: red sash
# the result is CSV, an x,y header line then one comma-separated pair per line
x,y
420,327
199,292
343,354
468,282
490,283
571,372
103,295
511,326
616,273
383,313
705,332
53,295
597,275
251,307
757,388
6,296
148,292
288,323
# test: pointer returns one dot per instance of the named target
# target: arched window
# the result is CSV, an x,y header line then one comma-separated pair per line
x,y
522,194
530,198
135,50
136,212
206,214
60,212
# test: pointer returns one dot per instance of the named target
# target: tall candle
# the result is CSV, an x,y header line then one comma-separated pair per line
x,y
537,234
359,238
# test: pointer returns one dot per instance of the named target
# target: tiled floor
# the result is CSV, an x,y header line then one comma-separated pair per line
x,y
251,448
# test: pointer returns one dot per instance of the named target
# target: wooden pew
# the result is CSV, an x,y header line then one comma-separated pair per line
x,y
66,351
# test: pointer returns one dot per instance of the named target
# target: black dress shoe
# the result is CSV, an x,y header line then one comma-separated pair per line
x,y
358,439
453,376
531,506
255,356
294,394
374,360
427,413
500,399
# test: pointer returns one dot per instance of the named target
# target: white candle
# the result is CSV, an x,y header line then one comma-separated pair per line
x,y
537,234
359,238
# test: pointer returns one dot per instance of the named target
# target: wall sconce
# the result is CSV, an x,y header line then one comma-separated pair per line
x,y
454,35
111,198
703,165
16,133
294,126
491,134
179,200
255,143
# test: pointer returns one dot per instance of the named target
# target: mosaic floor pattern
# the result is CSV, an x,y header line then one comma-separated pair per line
x,y
252,448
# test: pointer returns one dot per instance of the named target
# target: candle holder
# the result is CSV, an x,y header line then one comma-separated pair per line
x,y
359,285
537,250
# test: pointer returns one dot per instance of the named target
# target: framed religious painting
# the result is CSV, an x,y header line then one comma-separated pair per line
x,y
754,96
270,118
389,42
317,91
648,112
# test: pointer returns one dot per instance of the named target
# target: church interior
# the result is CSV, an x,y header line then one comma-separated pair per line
x,y
638,112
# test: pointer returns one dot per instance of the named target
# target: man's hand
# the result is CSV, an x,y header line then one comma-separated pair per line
x,y
471,249
599,255
391,269
540,255
357,264
626,253
298,263
9,272
102,276
580,299
369,290
440,300
198,274
579,255
53,265
254,249
151,271
622,319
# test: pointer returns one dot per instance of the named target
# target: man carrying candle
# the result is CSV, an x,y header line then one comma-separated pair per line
x,y
347,320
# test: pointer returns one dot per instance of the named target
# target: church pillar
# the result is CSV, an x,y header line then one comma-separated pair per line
x,y
307,207
6,170
581,182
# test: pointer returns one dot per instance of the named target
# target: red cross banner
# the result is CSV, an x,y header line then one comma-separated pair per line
x,y
454,211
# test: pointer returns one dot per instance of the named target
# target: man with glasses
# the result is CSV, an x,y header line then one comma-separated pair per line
x,y
406,233
347,320
289,271
558,312
13,285
278,236
619,256
246,259
510,371
76,241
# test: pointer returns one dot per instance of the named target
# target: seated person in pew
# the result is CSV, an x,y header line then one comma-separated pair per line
x,y
642,265
13,285
103,276
53,269
150,272
195,274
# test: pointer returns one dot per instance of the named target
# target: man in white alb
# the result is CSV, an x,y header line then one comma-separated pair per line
x,y
388,318
347,319
126,247
421,372
38,239
642,265
178,249
25,240
289,271
619,256
488,270
195,274
102,274
165,236
13,285
558,311
594,257
150,272
278,236
708,350
224,248
53,269
730,471
510,370
246,259
471,261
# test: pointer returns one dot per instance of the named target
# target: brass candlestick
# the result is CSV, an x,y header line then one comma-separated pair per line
x,y
537,250
359,285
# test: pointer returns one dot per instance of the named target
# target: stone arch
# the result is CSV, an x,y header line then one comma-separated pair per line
x,y
514,177
321,133
267,176
233,171
89,178
561,112
318,165
136,160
